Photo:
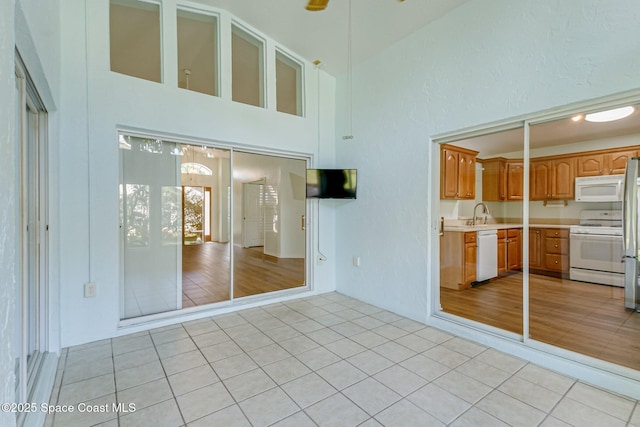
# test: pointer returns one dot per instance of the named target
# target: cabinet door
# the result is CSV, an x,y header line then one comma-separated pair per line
x,y
563,178
535,248
539,180
591,165
449,175
617,162
514,256
470,250
466,176
515,180
493,181
502,251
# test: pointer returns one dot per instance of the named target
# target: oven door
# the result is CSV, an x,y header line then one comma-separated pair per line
x,y
596,252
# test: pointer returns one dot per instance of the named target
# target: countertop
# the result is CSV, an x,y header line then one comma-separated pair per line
x,y
465,228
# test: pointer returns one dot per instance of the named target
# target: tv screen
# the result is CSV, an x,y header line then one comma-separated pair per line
x,y
331,183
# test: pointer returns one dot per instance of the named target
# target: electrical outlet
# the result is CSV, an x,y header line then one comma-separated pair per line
x,y
90,290
356,261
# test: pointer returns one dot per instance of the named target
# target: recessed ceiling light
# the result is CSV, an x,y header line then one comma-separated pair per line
x,y
610,115
577,118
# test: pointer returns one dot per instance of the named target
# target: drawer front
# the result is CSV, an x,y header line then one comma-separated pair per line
x,y
556,246
502,234
470,237
562,233
556,262
513,232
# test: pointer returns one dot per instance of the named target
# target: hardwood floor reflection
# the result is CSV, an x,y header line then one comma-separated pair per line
x,y
581,317
206,278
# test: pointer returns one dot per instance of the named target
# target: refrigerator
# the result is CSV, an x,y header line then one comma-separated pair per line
x,y
630,211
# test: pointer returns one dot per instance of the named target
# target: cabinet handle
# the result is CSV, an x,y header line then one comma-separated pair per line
x,y
556,262
556,246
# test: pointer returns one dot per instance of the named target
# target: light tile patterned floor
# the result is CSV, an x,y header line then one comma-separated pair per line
x,y
328,360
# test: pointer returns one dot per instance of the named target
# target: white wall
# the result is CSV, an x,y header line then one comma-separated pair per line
x,y
8,268
97,101
485,61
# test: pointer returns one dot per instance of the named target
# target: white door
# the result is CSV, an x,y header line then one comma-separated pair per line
x,y
253,215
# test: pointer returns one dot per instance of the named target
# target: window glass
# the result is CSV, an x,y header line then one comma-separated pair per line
x,y
134,34
288,85
247,68
197,52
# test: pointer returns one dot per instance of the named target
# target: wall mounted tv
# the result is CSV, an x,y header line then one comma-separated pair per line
x,y
331,183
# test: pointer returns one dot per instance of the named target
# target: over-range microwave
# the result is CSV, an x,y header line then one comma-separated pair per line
x,y
606,188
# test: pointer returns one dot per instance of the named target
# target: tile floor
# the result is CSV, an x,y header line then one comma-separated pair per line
x,y
328,360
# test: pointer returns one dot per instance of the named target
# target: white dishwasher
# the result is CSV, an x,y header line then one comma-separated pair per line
x,y
487,255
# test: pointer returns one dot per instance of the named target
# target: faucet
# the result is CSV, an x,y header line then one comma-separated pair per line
x,y
485,212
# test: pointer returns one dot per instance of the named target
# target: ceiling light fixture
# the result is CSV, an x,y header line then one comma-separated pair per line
x,y
610,115
577,118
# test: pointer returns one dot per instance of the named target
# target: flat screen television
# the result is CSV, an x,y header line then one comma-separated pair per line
x,y
331,183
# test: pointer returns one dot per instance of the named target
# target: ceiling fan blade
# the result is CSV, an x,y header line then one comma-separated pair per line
x,y
316,5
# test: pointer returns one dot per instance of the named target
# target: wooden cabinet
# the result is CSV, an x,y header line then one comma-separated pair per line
x,y
470,253
502,179
502,251
599,163
552,179
458,252
509,249
514,176
458,173
514,249
535,248
556,250
549,251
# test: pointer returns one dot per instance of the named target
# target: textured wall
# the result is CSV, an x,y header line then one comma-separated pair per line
x,y
485,61
7,209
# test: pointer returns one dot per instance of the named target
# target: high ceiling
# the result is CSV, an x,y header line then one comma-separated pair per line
x,y
376,25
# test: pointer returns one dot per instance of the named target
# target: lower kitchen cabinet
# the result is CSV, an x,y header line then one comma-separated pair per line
x,y
509,249
535,248
458,252
514,249
549,251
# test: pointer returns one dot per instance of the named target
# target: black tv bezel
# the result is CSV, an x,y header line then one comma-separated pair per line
x,y
355,190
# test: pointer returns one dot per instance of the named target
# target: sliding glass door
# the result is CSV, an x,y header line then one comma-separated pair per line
x,y
178,231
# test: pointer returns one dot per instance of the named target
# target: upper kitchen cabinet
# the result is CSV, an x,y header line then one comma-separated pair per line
x,y
457,172
502,179
552,178
604,163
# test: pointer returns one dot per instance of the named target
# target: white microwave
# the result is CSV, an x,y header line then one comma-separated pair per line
x,y
606,188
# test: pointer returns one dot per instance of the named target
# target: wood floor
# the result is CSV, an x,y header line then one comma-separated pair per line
x,y
581,317
206,278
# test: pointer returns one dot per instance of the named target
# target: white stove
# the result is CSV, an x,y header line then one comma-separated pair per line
x,y
595,248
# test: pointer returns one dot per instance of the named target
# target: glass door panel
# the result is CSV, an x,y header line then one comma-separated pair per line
x,y
206,254
481,255
150,199
577,289
269,232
